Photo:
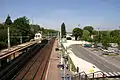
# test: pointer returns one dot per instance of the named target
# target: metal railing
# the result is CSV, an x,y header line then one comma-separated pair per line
x,y
93,76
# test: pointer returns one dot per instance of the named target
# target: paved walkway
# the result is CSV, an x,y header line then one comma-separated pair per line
x,y
53,72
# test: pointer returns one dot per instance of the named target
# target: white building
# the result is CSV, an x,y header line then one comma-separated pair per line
x,y
38,36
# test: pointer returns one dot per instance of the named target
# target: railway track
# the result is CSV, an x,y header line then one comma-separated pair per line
x,y
18,65
37,66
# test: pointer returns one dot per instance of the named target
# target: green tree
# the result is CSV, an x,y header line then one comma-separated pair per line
x,y
86,35
51,32
89,28
104,38
77,32
115,37
15,36
42,30
22,24
115,33
3,36
34,28
23,28
20,27
105,41
8,20
63,30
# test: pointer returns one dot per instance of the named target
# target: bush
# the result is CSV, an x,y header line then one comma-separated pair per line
x,y
3,45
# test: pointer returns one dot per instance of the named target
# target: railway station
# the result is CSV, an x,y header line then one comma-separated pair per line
x,y
60,40
44,61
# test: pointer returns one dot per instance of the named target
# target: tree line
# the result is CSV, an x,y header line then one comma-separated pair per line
x,y
88,33
20,27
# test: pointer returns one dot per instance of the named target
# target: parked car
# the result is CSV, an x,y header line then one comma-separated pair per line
x,y
69,38
87,45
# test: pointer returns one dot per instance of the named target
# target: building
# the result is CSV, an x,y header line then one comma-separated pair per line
x,y
38,36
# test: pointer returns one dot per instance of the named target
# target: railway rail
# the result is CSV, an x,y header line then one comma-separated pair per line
x,y
31,65
8,72
36,68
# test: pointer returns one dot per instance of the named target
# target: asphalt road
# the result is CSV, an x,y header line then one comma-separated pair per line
x,y
101,63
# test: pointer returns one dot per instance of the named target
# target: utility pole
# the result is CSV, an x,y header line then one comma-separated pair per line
x,y
48,35
98,36
119,30
41,34
51,35
21,39
58,36
8,38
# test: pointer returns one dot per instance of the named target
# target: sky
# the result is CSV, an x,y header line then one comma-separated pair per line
x,y
102,14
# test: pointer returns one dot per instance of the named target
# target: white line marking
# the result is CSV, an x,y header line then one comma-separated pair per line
x,y
111,73
106,74
118,73
115,73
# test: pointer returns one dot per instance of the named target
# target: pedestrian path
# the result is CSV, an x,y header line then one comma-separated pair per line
x,y
53,73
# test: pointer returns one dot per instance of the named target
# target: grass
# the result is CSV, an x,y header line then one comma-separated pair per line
x,y
80,44
73,68
70,63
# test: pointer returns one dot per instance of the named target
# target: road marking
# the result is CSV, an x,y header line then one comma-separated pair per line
x,y
118,73
115,73
111,73
106,74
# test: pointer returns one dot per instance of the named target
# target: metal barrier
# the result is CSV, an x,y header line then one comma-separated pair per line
x,y
93,76
80,76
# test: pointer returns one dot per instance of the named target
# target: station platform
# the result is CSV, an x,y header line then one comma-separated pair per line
x,y
53,73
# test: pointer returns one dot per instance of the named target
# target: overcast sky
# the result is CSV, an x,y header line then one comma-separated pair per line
x,y
103,14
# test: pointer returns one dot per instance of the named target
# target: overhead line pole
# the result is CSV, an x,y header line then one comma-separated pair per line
x,y
8,38
98,35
